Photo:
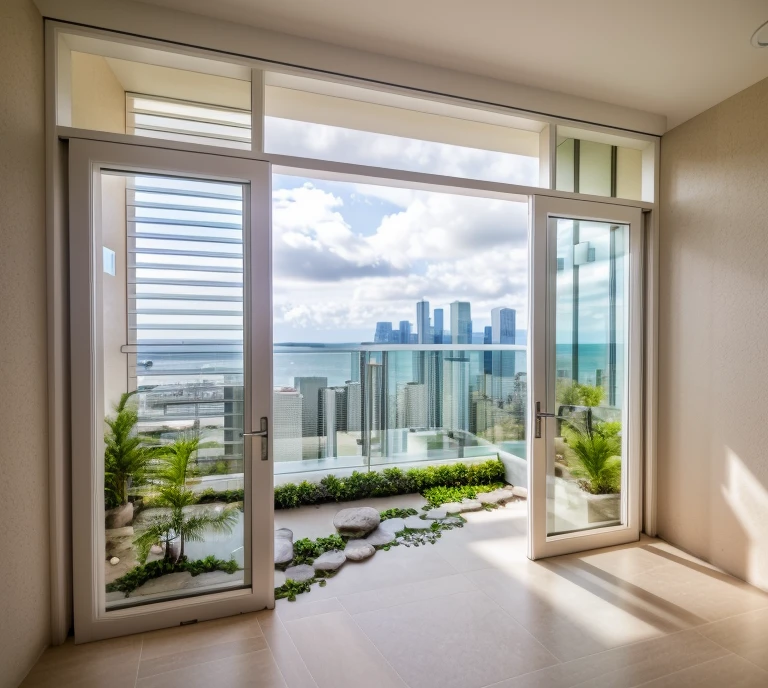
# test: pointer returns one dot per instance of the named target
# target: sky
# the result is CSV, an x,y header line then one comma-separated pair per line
x,y
348,255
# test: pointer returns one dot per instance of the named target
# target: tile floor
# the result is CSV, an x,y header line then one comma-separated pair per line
x,y
469,612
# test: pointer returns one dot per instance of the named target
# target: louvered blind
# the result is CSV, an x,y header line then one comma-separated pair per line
x,y
179,120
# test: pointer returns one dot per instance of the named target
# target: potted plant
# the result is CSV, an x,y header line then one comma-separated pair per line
x,y
595,459
125,462
180,520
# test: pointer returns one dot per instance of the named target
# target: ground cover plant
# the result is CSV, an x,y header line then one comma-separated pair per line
x,y
437,496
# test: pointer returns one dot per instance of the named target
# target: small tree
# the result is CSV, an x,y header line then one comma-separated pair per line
x,y
596,453
180,519
125,455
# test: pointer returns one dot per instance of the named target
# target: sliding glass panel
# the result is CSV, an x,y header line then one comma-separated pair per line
x,y
173,386
399,322
590,349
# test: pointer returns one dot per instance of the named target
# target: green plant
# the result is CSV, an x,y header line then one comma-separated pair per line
x,y
391,481
177,520
397,513
592,395
139,575
125,455
572,393
595,457
437,496
305,551
291,588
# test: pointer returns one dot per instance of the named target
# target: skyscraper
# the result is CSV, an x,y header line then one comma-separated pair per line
x,y
503,325
438,336
332,418
286,424
456,393
412,405
461,322
422,322
310,387
383,333
488,355
405,332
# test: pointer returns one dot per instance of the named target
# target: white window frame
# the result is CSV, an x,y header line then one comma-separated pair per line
x,y
57,135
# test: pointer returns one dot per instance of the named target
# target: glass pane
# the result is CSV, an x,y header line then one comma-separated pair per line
x,y
399,322
172,308
344,123
113,87
585,470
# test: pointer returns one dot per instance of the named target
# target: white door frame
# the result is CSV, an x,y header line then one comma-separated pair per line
x,y
541,372
86,160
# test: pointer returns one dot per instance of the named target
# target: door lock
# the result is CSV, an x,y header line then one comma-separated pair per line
x,y
539,415
264,434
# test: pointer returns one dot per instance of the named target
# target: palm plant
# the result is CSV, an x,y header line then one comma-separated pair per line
x,y
179,518
125,455
596,453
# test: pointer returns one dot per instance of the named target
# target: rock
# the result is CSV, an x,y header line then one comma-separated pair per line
x,y
127,531
357,550
329,561
302,572
170,582
521,492
283,551
488,497
285,533
393,525
453,508
156,549
506,494
436,513
416,523
452,520
280,578
380,536
470,505
119,517
356,522
114,561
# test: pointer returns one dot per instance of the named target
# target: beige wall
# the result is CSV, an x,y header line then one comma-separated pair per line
x,y
713,336
98,99
24,572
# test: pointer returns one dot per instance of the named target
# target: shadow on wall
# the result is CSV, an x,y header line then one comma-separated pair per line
x,y
747,499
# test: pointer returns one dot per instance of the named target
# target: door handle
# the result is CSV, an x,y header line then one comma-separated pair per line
x,y
264,434
539,415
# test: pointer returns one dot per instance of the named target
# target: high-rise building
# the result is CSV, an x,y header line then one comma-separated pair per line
x,y
405,332
354,406
503,325
438,330
488,355
332,418
310,387
456,393
286,424
383,333
461,322
503,374
412,405
422,323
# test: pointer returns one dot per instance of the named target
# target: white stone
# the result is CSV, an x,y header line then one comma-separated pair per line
x,y
416,523
329,561
280,578
393,525
453,508
521,492
437,513
114,561
285,533
302,572
452,520
380,536
283,551
156,549
357,550
357,521
470,505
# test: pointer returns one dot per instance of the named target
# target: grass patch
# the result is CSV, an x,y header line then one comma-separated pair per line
x,y
442,494
397,513
305,551
139,575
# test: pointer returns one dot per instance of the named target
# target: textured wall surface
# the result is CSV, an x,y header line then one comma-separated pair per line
x,y
24,574
98,99
713,342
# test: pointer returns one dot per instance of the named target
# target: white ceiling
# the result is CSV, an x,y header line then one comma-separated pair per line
x,y
671,57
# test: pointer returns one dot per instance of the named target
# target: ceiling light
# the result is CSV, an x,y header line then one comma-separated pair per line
x,y
760,37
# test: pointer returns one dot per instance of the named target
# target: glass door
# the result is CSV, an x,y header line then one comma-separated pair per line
x,y
586,349
170,277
